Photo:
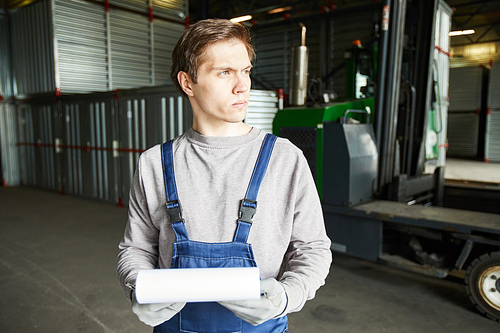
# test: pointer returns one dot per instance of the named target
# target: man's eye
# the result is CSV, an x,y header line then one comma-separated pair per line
x,y
224,73
247,72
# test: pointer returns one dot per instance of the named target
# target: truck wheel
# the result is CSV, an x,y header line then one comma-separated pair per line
x,y
483,284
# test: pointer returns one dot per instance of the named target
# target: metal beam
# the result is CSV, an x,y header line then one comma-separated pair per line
x,y
471,3
478,11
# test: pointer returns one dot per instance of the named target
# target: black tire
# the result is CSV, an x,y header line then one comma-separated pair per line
x,y
483,284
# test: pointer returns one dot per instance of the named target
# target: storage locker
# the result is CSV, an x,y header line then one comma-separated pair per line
x,y
77,46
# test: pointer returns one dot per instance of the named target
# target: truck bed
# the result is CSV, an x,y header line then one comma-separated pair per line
x,y
431,217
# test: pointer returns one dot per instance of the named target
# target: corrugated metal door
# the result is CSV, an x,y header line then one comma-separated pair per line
x,y
98,162
130,50
464,110
72,178
166,34
100,116
148,117
5,70
88,162
38,133
32,49
26,149
9,168
463,131
8,145
465,88
44,155
494,87
81,46
492,135
492,141
38,129
86,147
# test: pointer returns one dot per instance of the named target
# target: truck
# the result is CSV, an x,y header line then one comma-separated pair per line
x,y
378,157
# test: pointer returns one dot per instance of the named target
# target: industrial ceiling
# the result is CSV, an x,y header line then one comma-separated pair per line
x,y
481,16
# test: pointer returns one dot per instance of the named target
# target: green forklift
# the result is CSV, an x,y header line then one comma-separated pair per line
x,y
378,157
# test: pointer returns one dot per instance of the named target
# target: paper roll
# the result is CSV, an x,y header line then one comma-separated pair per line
x,y
197,284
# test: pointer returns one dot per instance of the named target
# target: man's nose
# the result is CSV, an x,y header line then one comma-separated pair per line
x,y
242,84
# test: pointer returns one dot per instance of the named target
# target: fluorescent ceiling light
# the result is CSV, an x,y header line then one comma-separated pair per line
x,y
461,32
241,18
279,10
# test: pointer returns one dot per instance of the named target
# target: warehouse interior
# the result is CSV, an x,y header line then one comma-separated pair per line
x,y
413,214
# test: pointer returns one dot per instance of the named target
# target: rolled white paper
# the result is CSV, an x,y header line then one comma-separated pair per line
x,y
197,284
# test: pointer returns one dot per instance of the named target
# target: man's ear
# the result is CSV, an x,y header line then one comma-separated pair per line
x,y
185,83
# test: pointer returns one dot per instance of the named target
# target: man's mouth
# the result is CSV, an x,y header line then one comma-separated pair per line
x,y
240,104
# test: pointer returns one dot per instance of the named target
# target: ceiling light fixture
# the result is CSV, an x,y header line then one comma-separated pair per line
x,y
279,10
241,18
461,32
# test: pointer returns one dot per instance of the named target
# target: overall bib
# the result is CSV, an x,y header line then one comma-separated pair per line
x,y
211,317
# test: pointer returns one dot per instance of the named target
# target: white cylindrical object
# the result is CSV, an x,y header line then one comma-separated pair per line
x,y
197,284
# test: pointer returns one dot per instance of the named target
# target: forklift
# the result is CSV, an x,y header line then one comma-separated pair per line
x,y
378,157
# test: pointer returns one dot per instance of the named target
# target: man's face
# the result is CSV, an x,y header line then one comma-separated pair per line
x,y
221,94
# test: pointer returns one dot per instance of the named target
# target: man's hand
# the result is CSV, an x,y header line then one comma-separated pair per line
x,y
155,314
271,304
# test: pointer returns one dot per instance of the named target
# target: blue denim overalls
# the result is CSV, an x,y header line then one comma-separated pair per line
x,y
211,317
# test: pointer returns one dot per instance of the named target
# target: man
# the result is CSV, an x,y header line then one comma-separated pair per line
x,y
208,171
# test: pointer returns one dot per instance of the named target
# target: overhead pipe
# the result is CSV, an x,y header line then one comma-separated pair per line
x,y
303,35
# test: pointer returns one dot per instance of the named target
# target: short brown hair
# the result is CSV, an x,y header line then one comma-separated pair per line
x,y
188,53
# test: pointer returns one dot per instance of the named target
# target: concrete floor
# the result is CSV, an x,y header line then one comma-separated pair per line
x,y
57,272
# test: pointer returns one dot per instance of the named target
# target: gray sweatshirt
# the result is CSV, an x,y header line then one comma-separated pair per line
x,y
212,173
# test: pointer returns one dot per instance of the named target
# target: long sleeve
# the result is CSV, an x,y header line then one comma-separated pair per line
x,y
308,255
139,247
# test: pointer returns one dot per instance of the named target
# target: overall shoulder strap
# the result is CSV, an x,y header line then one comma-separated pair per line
x,y
174,209
248,205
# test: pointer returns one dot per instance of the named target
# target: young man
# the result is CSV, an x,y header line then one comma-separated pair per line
x,y
216,166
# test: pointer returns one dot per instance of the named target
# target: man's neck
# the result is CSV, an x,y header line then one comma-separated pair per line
x,y
226,129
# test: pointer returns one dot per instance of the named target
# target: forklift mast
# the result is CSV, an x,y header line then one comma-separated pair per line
x,y
403,100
